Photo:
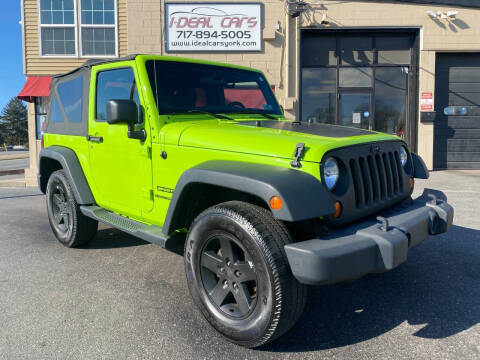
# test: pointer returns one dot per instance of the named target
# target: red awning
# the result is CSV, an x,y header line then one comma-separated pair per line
x,y
35,86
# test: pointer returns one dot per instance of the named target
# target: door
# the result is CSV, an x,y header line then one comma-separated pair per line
x,y
355,109
457,107
340,69
121,167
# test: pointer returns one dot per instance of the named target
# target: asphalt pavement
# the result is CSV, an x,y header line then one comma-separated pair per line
x,y
14,164
122,298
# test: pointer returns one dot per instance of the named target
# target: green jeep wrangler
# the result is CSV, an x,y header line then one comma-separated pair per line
x,y
198,154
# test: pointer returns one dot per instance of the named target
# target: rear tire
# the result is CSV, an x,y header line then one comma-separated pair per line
x,y
239,276
69,225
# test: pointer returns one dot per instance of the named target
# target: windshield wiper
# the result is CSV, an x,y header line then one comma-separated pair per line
x,y
268,116
194,111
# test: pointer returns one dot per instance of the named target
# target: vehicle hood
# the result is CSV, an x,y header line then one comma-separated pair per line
x,y
269,137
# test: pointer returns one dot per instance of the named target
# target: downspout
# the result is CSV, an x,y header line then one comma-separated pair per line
x,y
287,54
22,23
162,28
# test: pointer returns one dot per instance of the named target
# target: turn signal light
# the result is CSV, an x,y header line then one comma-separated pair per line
x,y
276,202
338,209
411,183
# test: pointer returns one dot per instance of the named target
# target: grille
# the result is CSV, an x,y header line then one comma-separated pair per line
x,y
373,179
376,178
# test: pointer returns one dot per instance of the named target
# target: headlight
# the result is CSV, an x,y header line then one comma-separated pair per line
x,y
403,156
330,173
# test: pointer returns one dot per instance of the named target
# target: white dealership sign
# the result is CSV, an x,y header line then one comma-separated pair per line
x,y
213,27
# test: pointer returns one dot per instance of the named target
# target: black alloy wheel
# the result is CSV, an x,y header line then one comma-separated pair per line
x,y
228,275
69,225
61,209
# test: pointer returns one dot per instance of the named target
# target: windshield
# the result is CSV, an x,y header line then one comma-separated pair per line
x,y
180,87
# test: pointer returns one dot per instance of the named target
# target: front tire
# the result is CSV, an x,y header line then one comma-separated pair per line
x,y
69,225
238,273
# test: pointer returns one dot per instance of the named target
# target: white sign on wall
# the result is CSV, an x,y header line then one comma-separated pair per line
x,y
213,27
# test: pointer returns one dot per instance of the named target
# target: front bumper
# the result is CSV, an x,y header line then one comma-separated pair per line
x,y
370,246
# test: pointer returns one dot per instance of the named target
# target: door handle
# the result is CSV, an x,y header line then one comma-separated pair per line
x,y
96,139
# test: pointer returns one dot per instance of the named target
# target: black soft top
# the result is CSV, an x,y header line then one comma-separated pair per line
x,y
91,62
68,101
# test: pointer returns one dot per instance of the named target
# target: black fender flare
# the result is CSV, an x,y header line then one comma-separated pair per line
x,y
73,171
420,170
304,196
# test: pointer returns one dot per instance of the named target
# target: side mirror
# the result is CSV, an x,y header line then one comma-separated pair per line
x,y
126,112
122,112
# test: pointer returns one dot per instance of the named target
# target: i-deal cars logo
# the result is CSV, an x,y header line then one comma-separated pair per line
x,y
213,27
201,17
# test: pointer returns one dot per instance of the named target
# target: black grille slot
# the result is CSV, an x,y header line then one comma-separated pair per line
x,y
367,184
388,175
381,175
376,178
399,170
357,183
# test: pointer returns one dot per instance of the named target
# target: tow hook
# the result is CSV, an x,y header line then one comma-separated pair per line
x,y
384,223
433,223
433,199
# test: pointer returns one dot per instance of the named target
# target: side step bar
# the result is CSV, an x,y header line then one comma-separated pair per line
x,y
150,233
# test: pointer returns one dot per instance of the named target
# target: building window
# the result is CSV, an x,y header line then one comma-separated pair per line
x,y
87,25
57,27
98,27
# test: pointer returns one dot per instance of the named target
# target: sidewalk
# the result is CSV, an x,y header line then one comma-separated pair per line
x,y
12,169
17,180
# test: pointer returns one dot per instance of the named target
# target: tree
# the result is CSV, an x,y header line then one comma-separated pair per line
x,y
14,123
2,134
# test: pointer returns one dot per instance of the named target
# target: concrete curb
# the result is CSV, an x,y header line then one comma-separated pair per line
x,y
13,183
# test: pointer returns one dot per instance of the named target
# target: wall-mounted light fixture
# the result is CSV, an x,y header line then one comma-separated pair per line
x,y
324,20
450,15
294,8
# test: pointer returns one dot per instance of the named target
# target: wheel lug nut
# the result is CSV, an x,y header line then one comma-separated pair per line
x,y
225,283
237,273
235,286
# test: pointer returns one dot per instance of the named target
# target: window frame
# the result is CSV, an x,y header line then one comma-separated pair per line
x,y
97,76
74,26
92,26
77,26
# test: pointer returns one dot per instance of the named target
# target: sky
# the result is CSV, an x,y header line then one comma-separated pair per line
x,y
11,64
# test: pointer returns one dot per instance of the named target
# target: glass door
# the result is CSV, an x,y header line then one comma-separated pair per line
x,y
391,95
355,108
